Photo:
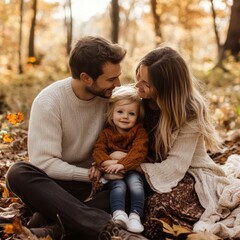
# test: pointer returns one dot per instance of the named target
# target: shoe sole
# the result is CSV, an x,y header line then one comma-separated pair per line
x,y
134,230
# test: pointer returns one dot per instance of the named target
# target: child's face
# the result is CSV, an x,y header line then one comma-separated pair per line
x,y
125,115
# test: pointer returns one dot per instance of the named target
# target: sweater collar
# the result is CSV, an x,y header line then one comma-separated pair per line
x,y
76,100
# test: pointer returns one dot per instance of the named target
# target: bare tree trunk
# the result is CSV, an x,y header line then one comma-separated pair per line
x,y
232,43
215,28
31,46
115,21
157,22
20,67
68,21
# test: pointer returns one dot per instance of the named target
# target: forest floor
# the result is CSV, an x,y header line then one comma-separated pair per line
x,y
16,214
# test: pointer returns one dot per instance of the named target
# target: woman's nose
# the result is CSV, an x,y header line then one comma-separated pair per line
x,y
137,84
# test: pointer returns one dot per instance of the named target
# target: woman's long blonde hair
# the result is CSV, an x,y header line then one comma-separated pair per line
x,y
178,98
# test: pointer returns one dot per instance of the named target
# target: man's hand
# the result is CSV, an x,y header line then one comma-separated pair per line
x,y
94,173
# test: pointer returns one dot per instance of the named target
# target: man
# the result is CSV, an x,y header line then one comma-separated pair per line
x,y
66,118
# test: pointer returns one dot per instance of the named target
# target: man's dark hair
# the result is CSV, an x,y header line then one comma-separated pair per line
x,y
91,53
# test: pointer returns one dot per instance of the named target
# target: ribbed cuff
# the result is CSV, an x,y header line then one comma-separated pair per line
x,y
81,175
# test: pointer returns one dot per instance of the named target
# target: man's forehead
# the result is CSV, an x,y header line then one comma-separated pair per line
x,y
111,69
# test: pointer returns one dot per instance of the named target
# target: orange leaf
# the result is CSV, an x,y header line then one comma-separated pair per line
x,y
15,227
11,117
15,118
20,117
9,228
32,59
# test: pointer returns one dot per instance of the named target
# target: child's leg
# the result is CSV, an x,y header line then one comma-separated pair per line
x,y
135,183
117,155
117,202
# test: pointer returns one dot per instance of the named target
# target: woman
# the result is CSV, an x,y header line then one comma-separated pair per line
x,y
189,188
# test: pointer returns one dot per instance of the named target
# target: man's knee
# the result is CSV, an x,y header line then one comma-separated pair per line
x,y
18,173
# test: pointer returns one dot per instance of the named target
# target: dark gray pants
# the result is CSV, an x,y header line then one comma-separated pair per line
x,y
65,198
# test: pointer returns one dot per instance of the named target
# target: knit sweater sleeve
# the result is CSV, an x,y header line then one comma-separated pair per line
x,y
45,142
100,151
138,152
162,177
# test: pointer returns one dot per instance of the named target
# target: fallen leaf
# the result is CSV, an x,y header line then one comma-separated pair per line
x,y
174,230
8,228
15,118
7,138
5,193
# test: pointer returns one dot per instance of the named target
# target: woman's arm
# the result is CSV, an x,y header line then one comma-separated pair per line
x,y
163,176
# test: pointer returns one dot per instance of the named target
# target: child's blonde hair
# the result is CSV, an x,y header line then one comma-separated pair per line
x,y
124,92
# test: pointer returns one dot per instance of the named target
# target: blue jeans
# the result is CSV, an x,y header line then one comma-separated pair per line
x,y
134,181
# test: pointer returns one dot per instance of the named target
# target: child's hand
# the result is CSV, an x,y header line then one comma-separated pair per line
x,y
115,168
108,163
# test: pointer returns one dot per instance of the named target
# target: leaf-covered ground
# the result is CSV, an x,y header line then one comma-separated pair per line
x,y
11,206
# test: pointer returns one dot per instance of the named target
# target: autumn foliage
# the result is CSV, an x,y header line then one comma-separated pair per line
x,y
14,119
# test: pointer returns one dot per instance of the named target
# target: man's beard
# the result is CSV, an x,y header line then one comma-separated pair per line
x,y
102,93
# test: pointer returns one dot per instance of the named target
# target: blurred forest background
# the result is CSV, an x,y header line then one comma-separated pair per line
x,y
36,37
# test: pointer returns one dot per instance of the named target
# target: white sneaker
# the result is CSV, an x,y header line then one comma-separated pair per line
x,y
135,224
120,218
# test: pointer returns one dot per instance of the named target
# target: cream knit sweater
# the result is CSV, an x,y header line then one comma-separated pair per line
x,y
63,130
219,195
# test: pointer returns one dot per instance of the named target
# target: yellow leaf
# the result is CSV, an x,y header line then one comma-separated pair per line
x,y
7,138
174,230
166,227
180,229
5,193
